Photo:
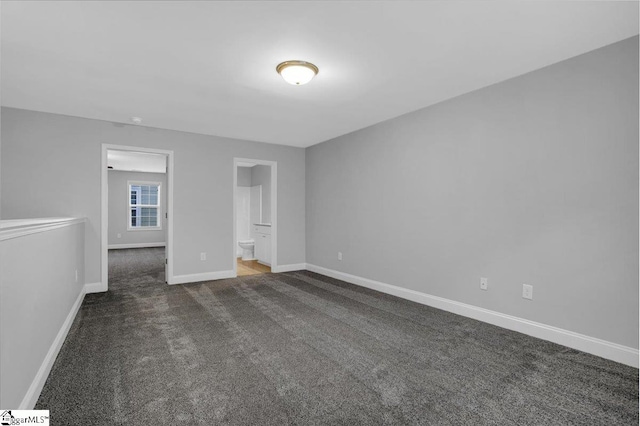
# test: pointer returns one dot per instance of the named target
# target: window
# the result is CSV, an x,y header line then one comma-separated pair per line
x,y
144,205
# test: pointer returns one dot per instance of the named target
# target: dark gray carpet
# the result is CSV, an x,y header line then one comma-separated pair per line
x,y
300,348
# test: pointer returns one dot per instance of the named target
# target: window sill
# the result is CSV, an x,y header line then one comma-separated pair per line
x,y
146,228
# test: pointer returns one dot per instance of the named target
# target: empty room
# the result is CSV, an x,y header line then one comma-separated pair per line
x,y
319,212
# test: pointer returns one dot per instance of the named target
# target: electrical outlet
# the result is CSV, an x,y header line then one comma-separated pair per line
x,y
76,275
203,256
484,283
527,291
339,255
119,235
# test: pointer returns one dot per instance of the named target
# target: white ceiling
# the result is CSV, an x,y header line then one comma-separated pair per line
x,y
209,67
136,161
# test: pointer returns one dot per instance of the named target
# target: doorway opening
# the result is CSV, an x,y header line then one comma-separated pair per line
x,y
137,225
254,216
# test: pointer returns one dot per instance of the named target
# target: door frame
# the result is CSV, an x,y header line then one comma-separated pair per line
x,y
104,192
274,209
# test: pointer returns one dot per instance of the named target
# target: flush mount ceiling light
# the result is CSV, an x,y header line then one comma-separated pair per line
x,y
297,72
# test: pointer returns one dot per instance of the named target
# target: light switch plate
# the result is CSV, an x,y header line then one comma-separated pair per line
x,y
527,291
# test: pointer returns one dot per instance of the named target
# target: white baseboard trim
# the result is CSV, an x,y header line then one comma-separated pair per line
x,y
95,288
33,393
581,342
206,276
289,268
134,245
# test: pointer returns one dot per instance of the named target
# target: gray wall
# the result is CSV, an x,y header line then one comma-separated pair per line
x,y
35,302
51,167
533,180
119,208
244,176
261,175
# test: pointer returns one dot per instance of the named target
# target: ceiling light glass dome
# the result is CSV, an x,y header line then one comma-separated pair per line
x,y
297,72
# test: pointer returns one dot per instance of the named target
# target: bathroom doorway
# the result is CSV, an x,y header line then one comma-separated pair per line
x,y
254,212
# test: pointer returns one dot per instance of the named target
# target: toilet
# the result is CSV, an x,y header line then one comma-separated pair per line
x,y
247,249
